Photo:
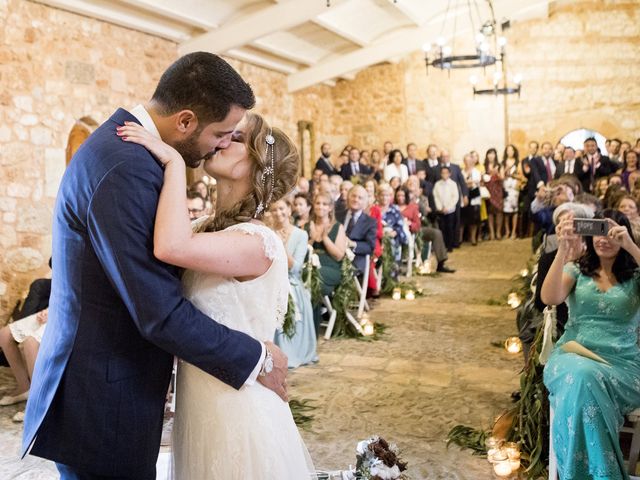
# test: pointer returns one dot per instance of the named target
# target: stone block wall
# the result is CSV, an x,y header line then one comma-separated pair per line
x,y
55,67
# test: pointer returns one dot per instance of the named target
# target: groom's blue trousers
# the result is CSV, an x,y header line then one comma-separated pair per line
x,y
70,473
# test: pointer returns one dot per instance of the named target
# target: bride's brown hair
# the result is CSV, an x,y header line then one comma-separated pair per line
x,y
286,161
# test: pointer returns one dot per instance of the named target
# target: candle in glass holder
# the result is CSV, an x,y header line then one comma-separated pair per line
x,y
397,294
410,295
513,300
502,468
364,319
513,452
513,345
368,329
524,273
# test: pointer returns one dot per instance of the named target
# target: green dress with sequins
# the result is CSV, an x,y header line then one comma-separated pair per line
x,y
590,398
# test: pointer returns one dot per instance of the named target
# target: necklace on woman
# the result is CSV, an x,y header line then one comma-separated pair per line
x,y
284,232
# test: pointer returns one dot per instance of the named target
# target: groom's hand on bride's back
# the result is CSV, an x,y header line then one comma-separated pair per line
x,y
276,380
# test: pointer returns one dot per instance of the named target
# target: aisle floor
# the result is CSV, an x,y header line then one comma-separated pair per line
x,y
434,368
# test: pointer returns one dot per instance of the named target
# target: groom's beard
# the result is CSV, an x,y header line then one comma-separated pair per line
x,y
190,151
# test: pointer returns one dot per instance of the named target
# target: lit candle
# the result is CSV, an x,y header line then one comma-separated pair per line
x,y
513,345
368,329
513,300
397,294
524,272
410,295
502,468
364,319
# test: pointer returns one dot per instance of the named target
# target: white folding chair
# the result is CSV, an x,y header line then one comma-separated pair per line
x,y
363,286
411,254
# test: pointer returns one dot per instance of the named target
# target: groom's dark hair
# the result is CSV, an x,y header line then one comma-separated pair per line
x,y
205,83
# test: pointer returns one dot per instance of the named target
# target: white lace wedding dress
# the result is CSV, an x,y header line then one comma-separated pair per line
x,y
248,434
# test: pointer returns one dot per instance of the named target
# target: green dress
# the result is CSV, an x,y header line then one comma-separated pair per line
x,y
330,268
590,398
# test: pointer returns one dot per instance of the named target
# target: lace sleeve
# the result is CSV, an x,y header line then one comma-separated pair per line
x,y
270,241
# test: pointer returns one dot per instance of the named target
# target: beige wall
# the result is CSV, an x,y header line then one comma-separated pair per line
x,y
580,67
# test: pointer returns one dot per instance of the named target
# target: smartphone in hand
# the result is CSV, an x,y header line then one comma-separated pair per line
x,y
589,227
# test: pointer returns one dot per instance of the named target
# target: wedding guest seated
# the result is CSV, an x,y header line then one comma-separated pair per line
x,y
392,220
324,161
302,186
419,224
201,188
360,228
37,298
354,168
446,196
429,232
629,168
374,212
592,374
329,242
196,205
301,210
301,348
28,332
340,199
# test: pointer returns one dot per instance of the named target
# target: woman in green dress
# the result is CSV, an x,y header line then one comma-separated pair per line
x,y
593,374
329,242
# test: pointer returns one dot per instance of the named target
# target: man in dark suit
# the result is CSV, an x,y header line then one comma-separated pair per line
x,y
117,316
354,168
324,162
457,176
595,165
545,168
414,165
571,165
432,163
360,228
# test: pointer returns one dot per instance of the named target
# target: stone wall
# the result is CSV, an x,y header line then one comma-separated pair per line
x,y
55,67
580,68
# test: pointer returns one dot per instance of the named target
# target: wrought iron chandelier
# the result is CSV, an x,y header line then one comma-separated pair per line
x,y
501,84
441,55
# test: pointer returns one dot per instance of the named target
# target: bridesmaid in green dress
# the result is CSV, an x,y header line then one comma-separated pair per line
x,y
591,397
329,242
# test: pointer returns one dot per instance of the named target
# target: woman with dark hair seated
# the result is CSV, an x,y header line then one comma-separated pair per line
x,y
593,374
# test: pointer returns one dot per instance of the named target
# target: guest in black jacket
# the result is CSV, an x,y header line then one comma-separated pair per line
x,y
324,162
354,168
595,165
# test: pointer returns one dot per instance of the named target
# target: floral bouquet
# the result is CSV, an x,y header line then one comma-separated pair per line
x,y
377,460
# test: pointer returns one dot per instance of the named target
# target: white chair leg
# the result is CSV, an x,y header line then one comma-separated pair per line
x,y
412,245
553,465
362,288
355,323
332,322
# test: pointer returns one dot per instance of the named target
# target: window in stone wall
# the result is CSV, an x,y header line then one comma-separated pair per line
x,y
576,138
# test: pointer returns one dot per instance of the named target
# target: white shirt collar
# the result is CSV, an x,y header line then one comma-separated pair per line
x,y
145,119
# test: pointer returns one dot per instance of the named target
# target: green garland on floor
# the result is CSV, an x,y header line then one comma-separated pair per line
x,y
344,296
527,423
390,270
312,282
289,324
300,410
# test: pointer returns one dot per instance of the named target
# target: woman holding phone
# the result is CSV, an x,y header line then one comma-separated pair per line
x,y
593,374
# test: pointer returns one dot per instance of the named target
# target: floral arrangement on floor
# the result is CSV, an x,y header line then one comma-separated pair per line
x,y
377,460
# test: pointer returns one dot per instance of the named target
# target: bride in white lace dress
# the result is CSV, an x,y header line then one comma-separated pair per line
x,y
236,273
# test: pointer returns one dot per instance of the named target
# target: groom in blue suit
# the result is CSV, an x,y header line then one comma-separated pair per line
x,y
117,315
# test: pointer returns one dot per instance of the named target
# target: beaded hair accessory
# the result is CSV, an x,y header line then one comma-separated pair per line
x,y
268,172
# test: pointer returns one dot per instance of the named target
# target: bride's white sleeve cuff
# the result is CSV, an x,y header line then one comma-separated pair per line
x,y
256,371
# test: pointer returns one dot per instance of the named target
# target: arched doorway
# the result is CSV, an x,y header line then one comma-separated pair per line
x,y
575,139
78,134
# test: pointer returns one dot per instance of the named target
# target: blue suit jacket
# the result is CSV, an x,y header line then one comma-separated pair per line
x,y
364,234
116,319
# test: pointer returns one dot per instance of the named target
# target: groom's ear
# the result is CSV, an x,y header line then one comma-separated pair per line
x,y
186,122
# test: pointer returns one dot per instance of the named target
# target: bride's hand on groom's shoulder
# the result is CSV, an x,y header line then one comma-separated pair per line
x,y
276,380
132,132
